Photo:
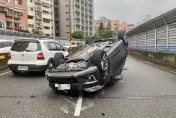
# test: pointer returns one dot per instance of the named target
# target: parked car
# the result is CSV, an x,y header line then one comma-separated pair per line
x,y
33,55
91,68
5,46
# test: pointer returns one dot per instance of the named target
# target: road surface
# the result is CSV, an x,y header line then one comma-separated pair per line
x,y
145,92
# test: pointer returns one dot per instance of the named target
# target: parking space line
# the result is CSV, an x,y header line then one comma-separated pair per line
x,y
78,106
5,73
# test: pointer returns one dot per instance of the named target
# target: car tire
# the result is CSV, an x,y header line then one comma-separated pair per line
x,y
16,72
50,65
101,60
58,59
121,36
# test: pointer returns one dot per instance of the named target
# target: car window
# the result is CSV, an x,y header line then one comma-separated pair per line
x,y
26,46
52,46
1,45
11,43
59,47
7,44
46,44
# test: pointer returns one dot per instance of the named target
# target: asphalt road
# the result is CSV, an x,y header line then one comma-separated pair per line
x,y
145,92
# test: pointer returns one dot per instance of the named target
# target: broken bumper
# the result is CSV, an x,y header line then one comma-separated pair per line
x,y
80,80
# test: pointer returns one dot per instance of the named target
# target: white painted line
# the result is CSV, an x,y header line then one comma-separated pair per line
x,y
5,73
78,106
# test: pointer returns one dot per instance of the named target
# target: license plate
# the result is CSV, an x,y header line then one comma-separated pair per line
x,y
63,86
22,67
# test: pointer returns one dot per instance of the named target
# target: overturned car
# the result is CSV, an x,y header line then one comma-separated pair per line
x,y
91,67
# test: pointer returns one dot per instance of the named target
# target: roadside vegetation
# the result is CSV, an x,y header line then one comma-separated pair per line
x,y
104,33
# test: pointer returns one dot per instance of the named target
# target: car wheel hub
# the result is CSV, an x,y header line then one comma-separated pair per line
x,y
104,62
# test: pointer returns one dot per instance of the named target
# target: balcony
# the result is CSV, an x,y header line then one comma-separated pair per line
x,y
9,14
77,4
47,31
30,21
9,26
38,9
47,2
30,13
46,24
46,9
38,2
47,16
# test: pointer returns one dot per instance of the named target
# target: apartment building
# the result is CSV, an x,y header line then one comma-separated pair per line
x,y
115,24
13,15
41,17
56,17
76,15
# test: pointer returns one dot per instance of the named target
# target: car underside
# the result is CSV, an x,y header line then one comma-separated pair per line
x,y
90,68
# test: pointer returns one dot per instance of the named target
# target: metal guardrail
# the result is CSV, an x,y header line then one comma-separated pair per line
x,y
158,34
7,35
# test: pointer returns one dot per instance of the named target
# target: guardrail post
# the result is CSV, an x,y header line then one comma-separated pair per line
x,y
167,37
167,34
155,40
145,40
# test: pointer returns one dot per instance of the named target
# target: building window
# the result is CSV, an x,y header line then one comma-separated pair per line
x,y
16,15
31,25
2,24
30,17
9,25
46,27
30,9
29,0
16,2
46,20
45,12
8,1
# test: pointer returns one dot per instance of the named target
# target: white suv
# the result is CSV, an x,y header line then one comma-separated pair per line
x,y
33,55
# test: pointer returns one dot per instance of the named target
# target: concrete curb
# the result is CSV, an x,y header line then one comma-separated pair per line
x,y
154,65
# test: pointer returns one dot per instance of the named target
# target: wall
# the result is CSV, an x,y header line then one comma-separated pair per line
x,y
165,59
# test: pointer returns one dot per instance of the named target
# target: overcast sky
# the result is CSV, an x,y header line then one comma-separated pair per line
x,y
131,11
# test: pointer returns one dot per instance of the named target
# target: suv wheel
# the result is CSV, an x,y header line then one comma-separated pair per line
x,y
50,65
101,60
58,59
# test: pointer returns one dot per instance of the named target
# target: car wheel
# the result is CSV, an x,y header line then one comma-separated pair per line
x,y
58,59
16,72
50,65
101,60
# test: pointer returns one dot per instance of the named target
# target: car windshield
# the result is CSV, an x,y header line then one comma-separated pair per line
x,y
26,46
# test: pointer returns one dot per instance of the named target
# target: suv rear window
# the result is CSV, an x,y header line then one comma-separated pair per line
x,y
7,44
26,46
1,45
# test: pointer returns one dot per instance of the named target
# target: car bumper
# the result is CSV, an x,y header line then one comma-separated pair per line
x,y
82,80
14,67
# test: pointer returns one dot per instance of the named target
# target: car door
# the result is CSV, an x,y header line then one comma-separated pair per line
x,y
1,47
117,55
61,49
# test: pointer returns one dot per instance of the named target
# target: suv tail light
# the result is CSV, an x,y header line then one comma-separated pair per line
x,y
40,56
9,56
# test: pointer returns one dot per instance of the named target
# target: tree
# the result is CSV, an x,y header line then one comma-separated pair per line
x,y
109,25
101,27
34,31
78,34
105,33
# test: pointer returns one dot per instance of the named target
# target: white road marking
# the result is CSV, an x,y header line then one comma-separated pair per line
x,y
78,106
5,73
